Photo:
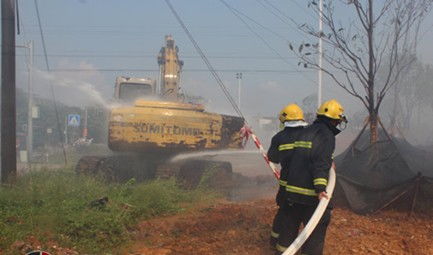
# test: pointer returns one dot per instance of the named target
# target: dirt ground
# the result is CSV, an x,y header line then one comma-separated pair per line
x,y
244,228
241,225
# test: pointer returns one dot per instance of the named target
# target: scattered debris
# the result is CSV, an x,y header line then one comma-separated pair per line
x,y
99,203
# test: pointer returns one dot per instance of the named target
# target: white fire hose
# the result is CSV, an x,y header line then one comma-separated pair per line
x,y
317,215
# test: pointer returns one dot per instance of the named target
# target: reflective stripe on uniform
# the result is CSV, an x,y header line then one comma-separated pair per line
x,y
282,183
287,146
280,248
274,235
304,144
320,181
296,144
302,191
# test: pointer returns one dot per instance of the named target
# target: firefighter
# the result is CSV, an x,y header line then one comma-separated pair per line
x,y
307,177
292,121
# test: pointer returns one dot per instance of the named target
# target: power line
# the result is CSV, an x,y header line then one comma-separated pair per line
x,y
42,36
260,25
235,12
90,35
51,85
183,70
149,56
128,28
294,26
304,10
208,64
122,27
273,13
281,12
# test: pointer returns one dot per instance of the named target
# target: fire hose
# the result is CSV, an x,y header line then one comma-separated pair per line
x,y
315,218
321,207
247,132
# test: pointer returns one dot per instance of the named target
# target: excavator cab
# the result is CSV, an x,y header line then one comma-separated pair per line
x,y
128,90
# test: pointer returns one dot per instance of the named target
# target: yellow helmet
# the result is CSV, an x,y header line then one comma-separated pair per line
x,y
291,112
332,109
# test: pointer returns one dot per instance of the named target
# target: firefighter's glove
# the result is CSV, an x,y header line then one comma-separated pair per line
x,y
322,194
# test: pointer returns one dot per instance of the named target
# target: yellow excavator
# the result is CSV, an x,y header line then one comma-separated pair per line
x,y
155,123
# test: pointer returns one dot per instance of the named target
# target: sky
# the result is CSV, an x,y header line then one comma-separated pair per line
x,y
105,35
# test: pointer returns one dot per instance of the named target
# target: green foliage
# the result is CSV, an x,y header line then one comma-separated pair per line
x,y
60,206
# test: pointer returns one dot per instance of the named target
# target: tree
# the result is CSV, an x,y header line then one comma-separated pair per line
x,y
379,33
411,97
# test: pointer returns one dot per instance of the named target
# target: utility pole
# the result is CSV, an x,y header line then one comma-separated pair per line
x,y
66,131
239,77
30,107
85,130
29,140
8,111
320,74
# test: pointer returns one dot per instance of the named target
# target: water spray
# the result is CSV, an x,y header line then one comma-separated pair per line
x,y
184,156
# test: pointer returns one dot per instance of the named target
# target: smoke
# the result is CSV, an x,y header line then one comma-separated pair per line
x,y
87,88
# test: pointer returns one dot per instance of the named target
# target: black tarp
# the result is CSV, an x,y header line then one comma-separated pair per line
x,y
391,171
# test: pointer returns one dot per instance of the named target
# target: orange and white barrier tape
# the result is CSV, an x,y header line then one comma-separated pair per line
x,y
246,132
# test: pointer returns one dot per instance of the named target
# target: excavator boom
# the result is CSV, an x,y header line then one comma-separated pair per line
x,y
170,67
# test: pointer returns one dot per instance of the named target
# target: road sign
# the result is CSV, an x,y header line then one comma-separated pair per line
x,y
35,112
74,120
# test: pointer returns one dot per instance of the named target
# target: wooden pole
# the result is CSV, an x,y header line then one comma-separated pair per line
x,y
415,195
8,111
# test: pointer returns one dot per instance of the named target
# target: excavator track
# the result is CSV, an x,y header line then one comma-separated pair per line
x,y
189,174
117,168
209,173
88,165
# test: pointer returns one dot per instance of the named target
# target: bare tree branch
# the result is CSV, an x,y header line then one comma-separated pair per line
x,y
355,53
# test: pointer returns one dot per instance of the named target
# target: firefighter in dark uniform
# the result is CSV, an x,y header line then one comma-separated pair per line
x,y
292,122
307,177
